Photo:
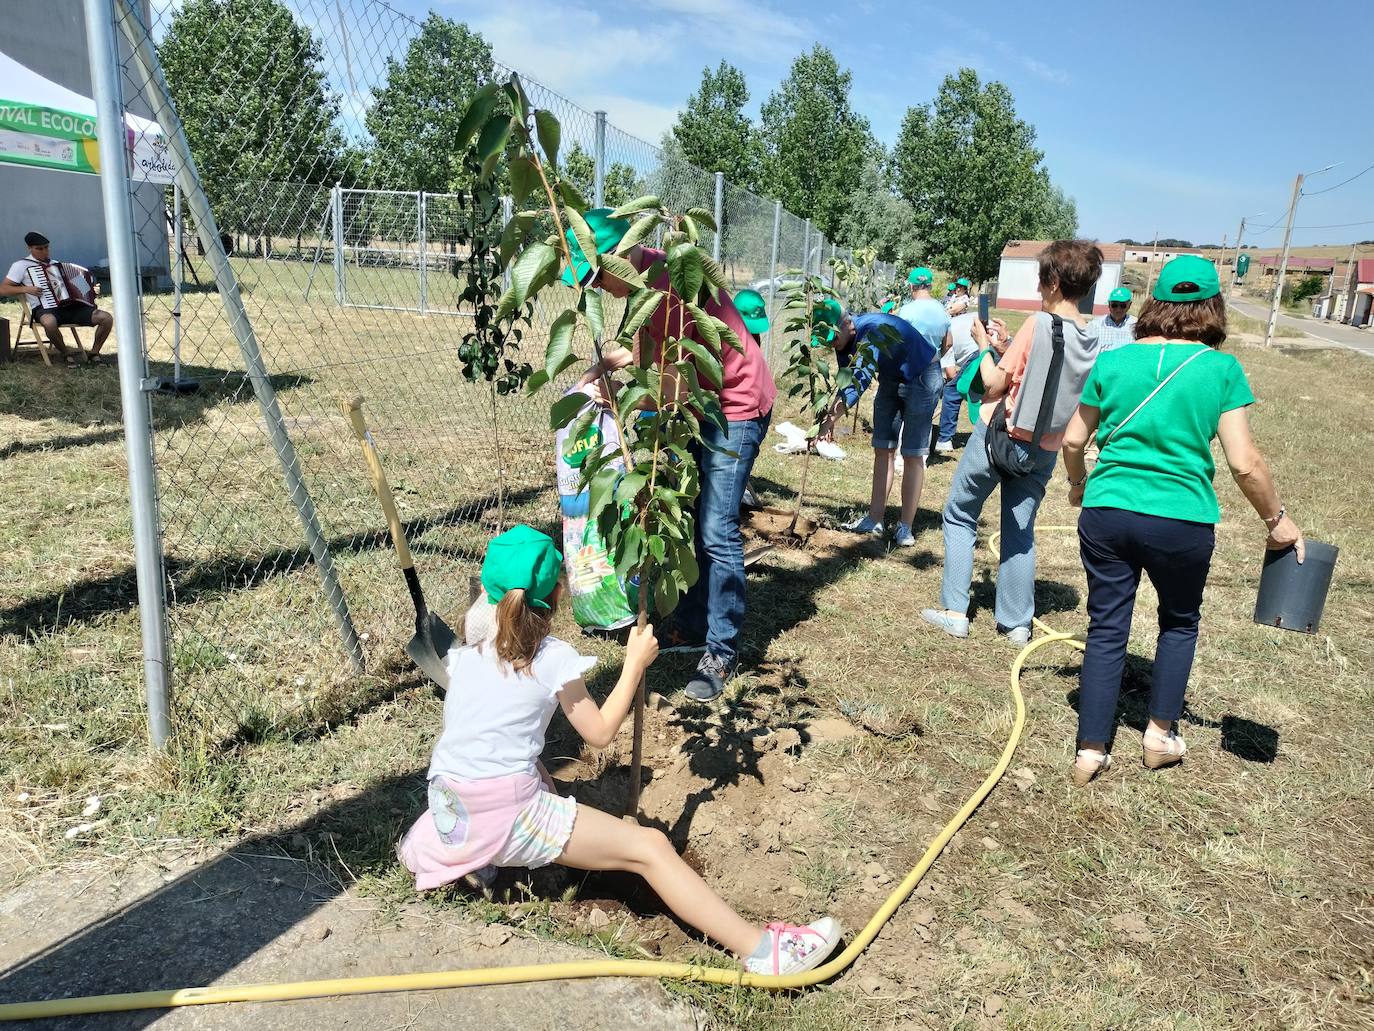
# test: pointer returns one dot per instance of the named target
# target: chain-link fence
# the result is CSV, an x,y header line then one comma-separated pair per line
x,y
282,594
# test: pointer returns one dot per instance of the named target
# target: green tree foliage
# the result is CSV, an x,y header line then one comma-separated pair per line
x,y
970,169
815,146
249,85
714,132
579,168
1311,286
416,113
1059,216
876,217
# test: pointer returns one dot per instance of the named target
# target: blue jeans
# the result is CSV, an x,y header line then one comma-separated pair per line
x,y
715,603
949,409
1116,546
974,481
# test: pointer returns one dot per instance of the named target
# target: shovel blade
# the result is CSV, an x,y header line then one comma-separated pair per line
x,y
429,649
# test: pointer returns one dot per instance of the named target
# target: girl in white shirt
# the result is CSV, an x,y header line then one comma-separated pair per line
x,y
492,804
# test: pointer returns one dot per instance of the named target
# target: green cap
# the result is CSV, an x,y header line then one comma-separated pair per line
x,y
606,231
1120,294
963,281
1189,277
888,306
522,559
920,276
949,288
753,310
824,318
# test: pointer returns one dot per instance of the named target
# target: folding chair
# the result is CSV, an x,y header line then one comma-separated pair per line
x,y
40,337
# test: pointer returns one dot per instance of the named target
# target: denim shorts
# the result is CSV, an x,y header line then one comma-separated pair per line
x,y
904,412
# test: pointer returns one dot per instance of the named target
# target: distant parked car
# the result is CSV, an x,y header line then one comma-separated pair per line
x,y
784,282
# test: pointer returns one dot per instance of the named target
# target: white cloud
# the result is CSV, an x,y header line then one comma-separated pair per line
x,y
570,49
638,117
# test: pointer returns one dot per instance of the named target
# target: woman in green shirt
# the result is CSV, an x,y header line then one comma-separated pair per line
x,y
1149,504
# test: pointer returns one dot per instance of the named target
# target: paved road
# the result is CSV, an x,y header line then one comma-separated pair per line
x,y
1361,340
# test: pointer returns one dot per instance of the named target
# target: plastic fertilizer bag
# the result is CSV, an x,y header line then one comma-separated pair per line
x,y
598,595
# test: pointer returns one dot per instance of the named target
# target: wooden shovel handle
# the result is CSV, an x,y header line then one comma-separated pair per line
x,y
353,411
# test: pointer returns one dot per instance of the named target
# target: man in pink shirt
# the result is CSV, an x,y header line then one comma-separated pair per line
x,y
711,614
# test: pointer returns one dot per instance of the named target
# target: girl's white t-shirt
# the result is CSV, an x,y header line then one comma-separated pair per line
x,y
495,719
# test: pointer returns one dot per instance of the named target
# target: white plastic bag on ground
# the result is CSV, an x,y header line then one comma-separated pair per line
x,y
796,443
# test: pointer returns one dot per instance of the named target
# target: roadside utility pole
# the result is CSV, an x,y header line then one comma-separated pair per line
x,y
1283,262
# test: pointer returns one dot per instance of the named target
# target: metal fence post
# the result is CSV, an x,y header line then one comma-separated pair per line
x,y
806,248
773,272
421,227
507,212
599,162
720,212
160,100
336,218
134,403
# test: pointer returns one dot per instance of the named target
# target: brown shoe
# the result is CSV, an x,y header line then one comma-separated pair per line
x,y
1159,751
1088,765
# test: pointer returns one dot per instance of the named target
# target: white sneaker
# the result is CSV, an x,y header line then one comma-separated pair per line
x,y
793,950
1017,635
955,626
944,447
864,525
903,538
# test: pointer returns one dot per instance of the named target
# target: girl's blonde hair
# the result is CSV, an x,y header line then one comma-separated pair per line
x,y
520,629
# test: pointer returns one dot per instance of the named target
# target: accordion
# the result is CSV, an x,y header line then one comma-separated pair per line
x,y
62,282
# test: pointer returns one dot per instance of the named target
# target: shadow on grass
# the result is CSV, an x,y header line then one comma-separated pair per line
x,y
92,598
214,917
1244,738
1051,596
92,395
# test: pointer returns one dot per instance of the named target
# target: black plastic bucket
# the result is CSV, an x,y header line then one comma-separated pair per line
x,y
1292,596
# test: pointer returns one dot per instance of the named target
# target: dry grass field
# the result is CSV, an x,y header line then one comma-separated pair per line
x,y
1234,892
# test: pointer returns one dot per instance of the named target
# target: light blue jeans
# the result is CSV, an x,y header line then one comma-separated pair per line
x,y
974,481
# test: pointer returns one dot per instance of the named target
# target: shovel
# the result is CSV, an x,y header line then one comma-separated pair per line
x,y
433,638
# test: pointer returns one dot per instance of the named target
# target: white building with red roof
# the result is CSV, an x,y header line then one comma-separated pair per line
x,y
1018,280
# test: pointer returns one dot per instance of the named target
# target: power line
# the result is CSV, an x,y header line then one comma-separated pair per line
x,y
1338,225
1339,184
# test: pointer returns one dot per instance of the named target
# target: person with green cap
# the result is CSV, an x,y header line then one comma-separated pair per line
x,y
957,292
491,802
753,312
888,348
1117,327
1149,505
710,617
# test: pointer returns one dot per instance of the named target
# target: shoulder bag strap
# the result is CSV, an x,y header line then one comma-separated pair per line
x,y
1042,418
1164,383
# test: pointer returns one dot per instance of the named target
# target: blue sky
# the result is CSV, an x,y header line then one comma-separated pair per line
x,y
1155,118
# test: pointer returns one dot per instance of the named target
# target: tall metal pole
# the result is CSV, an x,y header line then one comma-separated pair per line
x,y
160,99
1235,262
507,212
1283,262
806,248
133,368
336,218
420,228
599,162
773,271
176,286
720,211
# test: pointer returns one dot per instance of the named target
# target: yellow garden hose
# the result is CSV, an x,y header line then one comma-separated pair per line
x,y
568,971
